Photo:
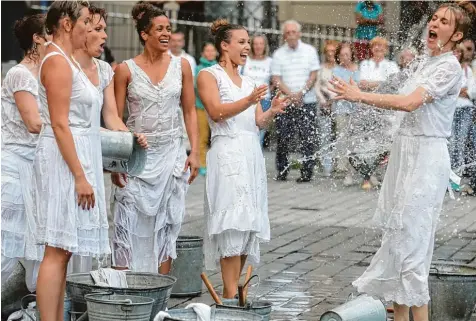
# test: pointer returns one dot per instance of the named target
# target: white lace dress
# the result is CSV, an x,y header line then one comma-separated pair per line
x,y
18,150
236,201
148,212
414,188
60,221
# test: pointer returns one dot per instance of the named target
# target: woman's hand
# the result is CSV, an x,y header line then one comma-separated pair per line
x,y
141,140
119,179
257,95
194,164
279,103
85,193
346,91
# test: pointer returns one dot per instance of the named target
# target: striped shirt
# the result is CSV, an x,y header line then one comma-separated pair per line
x,y
294,66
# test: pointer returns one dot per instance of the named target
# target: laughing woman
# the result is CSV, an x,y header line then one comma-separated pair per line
x,y
149,209
418,171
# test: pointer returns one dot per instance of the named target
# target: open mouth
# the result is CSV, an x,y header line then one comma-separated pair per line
x,y
432,34
244,56
164,41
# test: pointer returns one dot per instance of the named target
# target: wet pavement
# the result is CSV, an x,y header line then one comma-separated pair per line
x,y
322,239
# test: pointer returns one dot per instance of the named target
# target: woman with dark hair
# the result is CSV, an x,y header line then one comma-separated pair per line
x,y
149,208
419,167
236,204
100,74
208,59
21,124
71,214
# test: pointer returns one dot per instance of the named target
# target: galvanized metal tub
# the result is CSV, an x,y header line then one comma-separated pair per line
x,y
13,290
362,308
262,308
150,285
188,267
452,292
110,306
216,315
121,153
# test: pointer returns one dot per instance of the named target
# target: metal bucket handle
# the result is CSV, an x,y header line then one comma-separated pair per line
x,y
22,303
437,271
258,284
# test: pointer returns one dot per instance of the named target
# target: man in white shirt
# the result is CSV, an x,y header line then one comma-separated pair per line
x,y
294,72
176,44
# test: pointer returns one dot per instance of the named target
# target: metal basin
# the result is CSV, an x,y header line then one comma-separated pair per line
x,y
216,315
109,306
188,267
150,285
452,292
262,308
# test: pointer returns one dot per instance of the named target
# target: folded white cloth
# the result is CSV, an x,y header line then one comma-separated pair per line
x,y
161,316
203,311
109,278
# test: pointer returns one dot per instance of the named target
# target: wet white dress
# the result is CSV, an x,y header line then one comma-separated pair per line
x,y
18,150
236,201
60,221
149,211
414,188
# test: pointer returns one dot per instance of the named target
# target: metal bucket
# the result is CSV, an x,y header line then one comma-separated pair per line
x,y
13,290
188,267
32,298
262,308
216,315
452,292
362,308
110,306
150,285
121,153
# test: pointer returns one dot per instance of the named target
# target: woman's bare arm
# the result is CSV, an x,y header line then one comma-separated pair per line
x,y
28,108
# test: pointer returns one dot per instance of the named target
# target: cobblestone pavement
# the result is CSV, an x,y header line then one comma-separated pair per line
x,y
323,239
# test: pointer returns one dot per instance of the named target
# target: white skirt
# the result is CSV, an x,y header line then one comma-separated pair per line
x,y
408,209
61,222
236,203
149,211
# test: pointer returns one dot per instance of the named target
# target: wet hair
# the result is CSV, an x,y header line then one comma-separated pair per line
x,y
93,10
143,13
61,9
339,48
25,29
266,45
463,12
221,31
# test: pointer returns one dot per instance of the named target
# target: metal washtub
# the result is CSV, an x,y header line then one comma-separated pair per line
x,y
121,153
216,315
110,307
452,292
150,285
262,308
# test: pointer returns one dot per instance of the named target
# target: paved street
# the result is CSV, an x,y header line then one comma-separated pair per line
x,y
322,239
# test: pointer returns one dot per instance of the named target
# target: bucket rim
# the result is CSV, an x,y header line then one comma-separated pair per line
x,y
94,286
435,272
265,305
91,298
216,310
189,238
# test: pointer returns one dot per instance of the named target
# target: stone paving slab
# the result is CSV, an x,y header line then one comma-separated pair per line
x,y
322,240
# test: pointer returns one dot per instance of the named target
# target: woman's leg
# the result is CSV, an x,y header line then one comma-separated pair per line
x,y
50,287
230,272
420,313
401,312
203,134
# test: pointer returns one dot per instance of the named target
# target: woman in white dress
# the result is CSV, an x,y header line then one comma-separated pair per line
x,y
418,171
100,74
70,208
149,209
236,205
21,124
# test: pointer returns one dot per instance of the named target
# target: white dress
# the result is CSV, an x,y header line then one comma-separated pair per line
x,y
236,203
18,150
148,212
60,221
414,188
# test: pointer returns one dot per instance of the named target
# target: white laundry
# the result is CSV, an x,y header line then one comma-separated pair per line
x,y
161,316
203,311
109,278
